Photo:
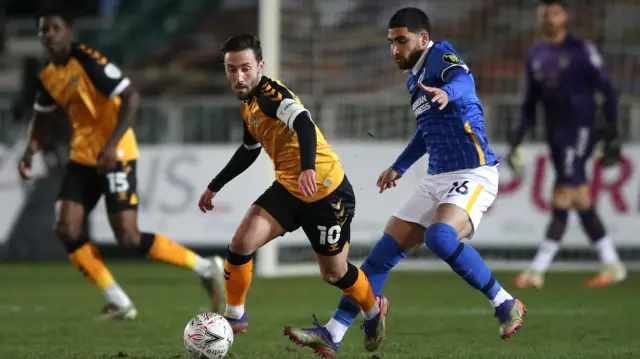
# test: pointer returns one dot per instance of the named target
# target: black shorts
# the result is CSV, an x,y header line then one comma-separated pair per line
x,y
326,222
82,184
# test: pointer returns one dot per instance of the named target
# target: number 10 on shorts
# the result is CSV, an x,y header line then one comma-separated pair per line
x,y
329,236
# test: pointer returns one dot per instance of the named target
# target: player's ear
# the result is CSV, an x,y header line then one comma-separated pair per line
x,y
261,66
424,38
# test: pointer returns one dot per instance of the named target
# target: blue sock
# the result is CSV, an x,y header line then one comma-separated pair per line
x,y
442,239
383,257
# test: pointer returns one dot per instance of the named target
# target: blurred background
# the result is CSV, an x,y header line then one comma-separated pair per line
x,y
334,55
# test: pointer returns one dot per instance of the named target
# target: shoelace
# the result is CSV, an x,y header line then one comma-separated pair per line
x,y
316,322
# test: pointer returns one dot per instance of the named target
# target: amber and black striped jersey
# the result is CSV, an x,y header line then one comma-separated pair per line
x,y
268,117
87,87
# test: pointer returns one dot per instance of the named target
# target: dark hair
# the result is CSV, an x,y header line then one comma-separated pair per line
x,y
562,3
415,20
242,42
55,11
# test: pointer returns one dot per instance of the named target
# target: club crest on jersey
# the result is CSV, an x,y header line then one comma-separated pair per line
x,y
450,58
254,120
563,62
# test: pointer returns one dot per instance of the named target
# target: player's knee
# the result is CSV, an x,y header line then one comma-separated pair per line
x,y
129,238
438,237
68,231
240,248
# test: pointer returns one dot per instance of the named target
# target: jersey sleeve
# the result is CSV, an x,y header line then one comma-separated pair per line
x,y
105,75
602,81
276,101
44,102
250,142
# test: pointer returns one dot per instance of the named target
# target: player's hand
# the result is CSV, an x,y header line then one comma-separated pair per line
x,y
307,182
437,95
107,159
387,179
24,167
611,149
514,160
205,203
611,153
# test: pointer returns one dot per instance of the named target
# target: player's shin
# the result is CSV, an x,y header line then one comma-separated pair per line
x,y
237,279
594,228
442,239
383,257
85,257
355,285
550,246
161,248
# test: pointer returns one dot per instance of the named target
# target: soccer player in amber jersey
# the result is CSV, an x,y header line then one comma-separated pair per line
x,y
311,190
101,104
563,73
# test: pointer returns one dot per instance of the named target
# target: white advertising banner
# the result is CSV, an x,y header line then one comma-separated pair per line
x,y
171,179
170,182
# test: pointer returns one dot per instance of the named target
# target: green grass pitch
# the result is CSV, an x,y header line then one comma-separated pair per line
x,y
47,310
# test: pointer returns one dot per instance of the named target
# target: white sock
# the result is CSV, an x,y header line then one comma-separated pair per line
x,y
606,251
234,311
500,298
546,253
115,295
372,313
203,267
336,329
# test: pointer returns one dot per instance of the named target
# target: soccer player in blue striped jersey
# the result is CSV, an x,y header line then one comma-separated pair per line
x,y
460,185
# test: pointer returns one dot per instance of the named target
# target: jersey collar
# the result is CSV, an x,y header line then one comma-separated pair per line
x,y
416,68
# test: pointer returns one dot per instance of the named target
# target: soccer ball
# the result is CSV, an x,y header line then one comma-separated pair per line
x,y
208,336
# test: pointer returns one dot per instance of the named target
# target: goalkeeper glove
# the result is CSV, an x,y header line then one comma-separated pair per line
x,y
611,151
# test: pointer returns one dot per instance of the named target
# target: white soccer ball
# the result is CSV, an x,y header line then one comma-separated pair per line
x,y
208,336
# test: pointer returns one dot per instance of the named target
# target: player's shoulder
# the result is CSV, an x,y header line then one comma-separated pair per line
x,y
442,55
581,44
87,56
271,93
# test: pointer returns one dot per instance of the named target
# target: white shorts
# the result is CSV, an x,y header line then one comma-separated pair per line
x,y
473,190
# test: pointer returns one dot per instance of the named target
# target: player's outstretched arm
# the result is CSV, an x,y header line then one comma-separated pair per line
x,y
242,159
412,153
459,83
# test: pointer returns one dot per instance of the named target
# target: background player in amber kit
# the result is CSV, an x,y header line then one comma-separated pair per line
x,y
564,72
101,103
311,190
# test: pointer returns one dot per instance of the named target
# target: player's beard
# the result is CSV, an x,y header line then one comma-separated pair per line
x,y
412,59
251,89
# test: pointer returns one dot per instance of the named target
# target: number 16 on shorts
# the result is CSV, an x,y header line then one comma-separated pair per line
x,y
463,193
